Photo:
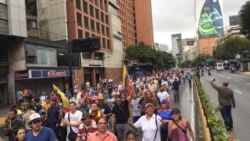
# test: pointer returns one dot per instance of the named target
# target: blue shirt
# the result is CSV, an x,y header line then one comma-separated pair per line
x,y
167,115
46,134
53,114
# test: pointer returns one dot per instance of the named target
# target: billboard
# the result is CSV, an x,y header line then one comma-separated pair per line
x,y
209,18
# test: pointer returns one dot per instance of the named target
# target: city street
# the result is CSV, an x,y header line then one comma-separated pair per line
x,y
240,84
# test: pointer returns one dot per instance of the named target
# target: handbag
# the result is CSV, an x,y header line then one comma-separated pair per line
x,y
72,135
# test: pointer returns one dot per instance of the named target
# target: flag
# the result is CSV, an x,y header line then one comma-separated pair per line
x,y
126,80
65,100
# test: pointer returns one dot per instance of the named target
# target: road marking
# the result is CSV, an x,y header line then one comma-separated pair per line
x,y
238,91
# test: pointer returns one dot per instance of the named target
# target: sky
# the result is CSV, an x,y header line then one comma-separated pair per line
x,y
178,16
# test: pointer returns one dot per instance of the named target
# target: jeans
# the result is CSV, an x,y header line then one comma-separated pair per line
x,y
121,130
227,116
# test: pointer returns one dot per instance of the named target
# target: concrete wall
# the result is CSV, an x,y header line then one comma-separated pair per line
x,y
52,19
17,18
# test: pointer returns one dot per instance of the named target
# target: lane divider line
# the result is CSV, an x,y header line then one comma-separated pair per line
x,y
238,91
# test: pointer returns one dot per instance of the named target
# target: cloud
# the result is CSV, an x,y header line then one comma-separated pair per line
x,y
178,16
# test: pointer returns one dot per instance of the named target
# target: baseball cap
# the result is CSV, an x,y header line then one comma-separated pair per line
x,y
34,117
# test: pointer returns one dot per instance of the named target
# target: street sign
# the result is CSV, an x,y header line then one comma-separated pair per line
x,y
85,45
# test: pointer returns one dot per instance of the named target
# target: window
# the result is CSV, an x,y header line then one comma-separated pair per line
x,y
101,4
79,19
85,7
102,17
80,35
86,35
108,44
92,25
107,19
91,10
103,43
4,51
107,31
78,4
99,55
4,27
86,55
97,14
97,2
86,22
39,55
98,27
103,29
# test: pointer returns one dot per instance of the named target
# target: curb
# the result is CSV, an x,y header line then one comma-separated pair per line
x,y
206,131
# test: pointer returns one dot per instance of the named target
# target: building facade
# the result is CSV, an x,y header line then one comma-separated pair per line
x,y
136,20
176,42
12,34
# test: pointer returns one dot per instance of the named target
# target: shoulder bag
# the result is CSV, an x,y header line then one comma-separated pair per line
x,y
156,127
72,135
183,130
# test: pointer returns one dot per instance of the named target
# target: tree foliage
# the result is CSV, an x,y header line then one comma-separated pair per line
x,y
144,54
200,60
245,18
231,47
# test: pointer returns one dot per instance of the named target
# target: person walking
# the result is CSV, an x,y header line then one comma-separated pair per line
x,y
39,133
226,101
177,127
72,120
12,125
20,134
120,116
189,78
149,123
176,90
102,134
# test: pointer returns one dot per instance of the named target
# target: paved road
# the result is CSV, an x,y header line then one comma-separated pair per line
x,y
240,84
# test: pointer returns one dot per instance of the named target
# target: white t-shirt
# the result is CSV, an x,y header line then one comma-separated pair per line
x,y
74,117
149,128
162,95
164,83
136,110
42,99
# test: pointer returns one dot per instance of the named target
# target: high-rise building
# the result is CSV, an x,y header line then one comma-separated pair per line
x,y
176,45
136,19
209,24
12,56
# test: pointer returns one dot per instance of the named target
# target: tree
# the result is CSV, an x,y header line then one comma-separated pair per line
x,y
245,18
144,54
200,60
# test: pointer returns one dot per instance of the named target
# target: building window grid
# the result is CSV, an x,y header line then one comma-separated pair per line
x,y
78,4
85,7
91,10
79,19
86,22
92,24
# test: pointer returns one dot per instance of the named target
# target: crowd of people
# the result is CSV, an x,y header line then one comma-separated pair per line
x,y
107,112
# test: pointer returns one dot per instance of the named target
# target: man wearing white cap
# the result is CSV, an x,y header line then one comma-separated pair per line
x,y
39,133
